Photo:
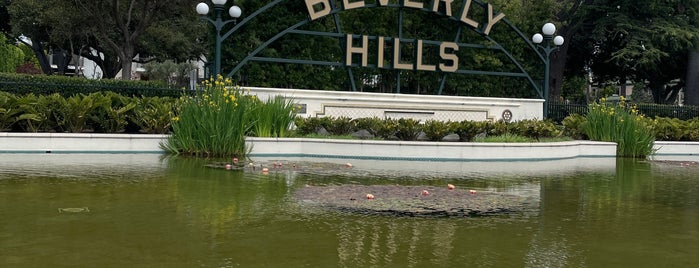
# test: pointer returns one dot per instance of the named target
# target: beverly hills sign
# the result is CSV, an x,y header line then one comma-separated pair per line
x,y
359,45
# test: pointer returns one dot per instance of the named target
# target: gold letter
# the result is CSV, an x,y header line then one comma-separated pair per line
x,y
410,3
447,3
449,57
363,50
379,63
464,14
491,20
396,57
324,10
350,5
419,65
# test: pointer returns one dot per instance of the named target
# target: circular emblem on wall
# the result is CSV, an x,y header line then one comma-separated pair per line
x,y
506,115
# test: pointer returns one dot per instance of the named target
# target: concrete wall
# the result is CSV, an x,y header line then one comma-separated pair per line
x,y
79,143
339,149
325,148
382,105
427,151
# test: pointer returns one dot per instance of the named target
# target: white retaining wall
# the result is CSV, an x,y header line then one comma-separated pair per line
x,y
428,151
79,143
384,105
297,147
359,149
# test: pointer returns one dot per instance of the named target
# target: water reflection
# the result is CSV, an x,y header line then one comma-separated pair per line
x,y
146,211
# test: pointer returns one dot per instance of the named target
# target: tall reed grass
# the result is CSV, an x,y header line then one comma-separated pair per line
x,y
213,122
621,124
273,117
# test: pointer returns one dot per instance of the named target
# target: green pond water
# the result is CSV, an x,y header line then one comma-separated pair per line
x,y
144,211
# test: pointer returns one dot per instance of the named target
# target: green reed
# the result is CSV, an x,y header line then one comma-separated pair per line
x,y
213,122
273,117
621,124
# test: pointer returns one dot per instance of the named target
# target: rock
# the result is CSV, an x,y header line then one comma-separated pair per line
x,y
422,136
322,131
451,138
363,134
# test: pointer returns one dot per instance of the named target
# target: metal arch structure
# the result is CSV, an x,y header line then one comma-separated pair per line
x,y
338,34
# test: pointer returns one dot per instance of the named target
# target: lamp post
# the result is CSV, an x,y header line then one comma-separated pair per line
x,y
548,31
218,22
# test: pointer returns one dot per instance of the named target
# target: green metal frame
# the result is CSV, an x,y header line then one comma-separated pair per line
x,y
294,29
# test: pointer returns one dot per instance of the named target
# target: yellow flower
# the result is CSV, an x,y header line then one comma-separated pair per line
x,y
176,118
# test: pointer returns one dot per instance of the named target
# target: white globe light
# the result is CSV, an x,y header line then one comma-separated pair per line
x,y
548,29
537,38
219,2
558,40
202,9
235,12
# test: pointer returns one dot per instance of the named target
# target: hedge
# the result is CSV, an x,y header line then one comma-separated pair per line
x,y
68,86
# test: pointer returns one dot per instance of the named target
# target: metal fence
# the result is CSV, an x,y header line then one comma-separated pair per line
x,y
558,111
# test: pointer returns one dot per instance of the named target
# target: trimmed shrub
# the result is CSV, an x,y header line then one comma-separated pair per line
x,y
21,84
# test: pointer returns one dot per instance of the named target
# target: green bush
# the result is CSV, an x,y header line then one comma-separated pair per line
x,y
8,110
80,108
22,84
535,129
669,129
307,126
467,129
33,113
573,126
388,128
371,124
436,130
339,126
153,114
113,117
12,56
408,129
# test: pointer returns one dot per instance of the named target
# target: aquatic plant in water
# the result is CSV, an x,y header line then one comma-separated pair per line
x,y
213,122
622,124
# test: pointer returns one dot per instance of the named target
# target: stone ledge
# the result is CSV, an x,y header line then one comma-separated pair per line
x,y
304,147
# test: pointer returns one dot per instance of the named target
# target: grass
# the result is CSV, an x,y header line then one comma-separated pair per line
x,y
518,138
499,138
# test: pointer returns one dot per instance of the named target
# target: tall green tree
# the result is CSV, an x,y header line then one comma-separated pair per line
x,y
111,32
4,17
644,41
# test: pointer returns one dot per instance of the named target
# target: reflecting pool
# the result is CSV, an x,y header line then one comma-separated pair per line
x,y
143,211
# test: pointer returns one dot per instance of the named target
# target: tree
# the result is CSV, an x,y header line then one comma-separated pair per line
x,y
111,33
4,17
644,41
122,25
